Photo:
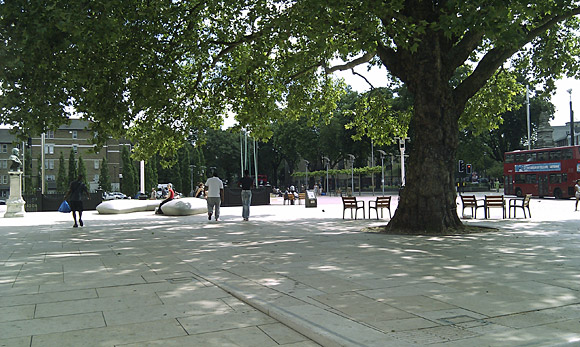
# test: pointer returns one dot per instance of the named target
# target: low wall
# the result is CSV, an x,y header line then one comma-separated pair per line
x,y
233,196
50,202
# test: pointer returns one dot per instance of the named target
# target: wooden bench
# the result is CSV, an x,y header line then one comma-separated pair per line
x,y
520,203
494,201
381,202
469,201
351,203
301,196
289,197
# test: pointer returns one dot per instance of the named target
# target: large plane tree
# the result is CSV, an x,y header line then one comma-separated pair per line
x,y
166,70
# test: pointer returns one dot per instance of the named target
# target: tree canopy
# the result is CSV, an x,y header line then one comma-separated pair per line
x,y
166,70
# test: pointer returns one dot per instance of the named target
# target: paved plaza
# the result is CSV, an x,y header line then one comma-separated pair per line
x,y
291,276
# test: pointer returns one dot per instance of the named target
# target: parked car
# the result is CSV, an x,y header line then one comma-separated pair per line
x,y
2,202
114,196
141,196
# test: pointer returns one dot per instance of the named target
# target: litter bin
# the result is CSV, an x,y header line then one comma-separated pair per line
x,y
310,200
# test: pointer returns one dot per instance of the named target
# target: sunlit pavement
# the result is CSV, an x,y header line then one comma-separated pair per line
x,y
291,276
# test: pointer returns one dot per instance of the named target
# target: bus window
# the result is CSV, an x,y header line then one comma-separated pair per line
x,y
520,157
567,153
509,158
555,178
520,179
555,155
542,156
564,178
531,178
532,157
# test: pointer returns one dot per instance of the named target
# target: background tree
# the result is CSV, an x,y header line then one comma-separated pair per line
x,y
29,186
104,176
129,185
184,171
62,181
82,170
72,167
198,161
39,177
151,179
222,151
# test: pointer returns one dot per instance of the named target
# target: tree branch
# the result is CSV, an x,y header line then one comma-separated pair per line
x,y
364,78
489,64
393,62
461,51
348,66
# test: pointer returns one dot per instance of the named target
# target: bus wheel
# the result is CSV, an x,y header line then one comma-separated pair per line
x,y
519,193
557,193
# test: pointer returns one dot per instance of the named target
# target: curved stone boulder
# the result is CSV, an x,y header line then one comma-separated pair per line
x,y
185,207
127,206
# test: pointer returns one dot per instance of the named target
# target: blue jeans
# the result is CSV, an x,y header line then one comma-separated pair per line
x,y
214,203
246,202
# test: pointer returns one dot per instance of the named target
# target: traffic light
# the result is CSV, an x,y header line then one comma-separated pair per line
x,y
468,169
461,167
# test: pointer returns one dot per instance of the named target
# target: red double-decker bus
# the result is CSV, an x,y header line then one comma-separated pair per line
x,y
542,172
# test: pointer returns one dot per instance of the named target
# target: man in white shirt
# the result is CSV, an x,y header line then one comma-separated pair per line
x,y
215,195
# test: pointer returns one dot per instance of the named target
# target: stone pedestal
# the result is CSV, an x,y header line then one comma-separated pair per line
x,y
15,203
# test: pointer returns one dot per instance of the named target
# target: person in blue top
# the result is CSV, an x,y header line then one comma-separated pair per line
x,y
74,197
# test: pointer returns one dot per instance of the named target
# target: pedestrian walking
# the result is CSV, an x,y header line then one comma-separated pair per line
x,y
215,195
246,183
74,197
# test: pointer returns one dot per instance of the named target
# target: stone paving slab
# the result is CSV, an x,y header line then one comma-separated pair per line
x,y
291,276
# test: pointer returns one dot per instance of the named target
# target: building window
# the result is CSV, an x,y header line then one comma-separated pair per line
x,y
74,134
49,149
75,148
49,164
4,179
96,178
96,164
50,134
3,164
50,178
4,148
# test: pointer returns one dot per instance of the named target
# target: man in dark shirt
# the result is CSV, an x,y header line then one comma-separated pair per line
x,y
246,183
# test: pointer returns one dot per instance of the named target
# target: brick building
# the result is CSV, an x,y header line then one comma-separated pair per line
x,y
74,136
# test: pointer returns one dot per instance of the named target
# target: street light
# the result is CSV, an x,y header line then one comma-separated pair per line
x,y
327,162
352,158
571,119
306,185
383,169
191,168
402,149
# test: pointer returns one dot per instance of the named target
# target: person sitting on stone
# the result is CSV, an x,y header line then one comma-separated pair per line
x,y
16,163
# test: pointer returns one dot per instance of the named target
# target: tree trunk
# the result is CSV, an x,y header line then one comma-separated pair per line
x,y
428,200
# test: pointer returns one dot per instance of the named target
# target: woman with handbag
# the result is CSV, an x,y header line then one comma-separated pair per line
x,y
74,197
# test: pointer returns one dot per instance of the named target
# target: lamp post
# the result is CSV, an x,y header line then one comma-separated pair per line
x,y
528,116
352,158
402,149
571,119
373,165
327,162
306,185
383,169
191,168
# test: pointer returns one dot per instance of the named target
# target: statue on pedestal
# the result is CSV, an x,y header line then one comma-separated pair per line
x,y
16,163
15,203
